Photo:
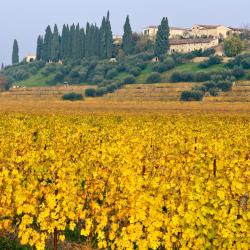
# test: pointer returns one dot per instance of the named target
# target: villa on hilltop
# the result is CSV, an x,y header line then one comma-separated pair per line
x,y
191,44
199,37
198,30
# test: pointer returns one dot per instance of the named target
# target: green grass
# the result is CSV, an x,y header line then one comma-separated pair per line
x,y
142,78
192,68
37,80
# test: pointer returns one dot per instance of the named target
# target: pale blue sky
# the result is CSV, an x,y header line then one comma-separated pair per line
x,y
26,19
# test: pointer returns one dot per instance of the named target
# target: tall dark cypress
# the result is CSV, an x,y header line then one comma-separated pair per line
x,y
76,43
128,44
67,42
47,43
63,42
162,39
97,41
39,48
106,38
109,38
55,45
82,43
2,66
71,40
15,53
102,42
88,41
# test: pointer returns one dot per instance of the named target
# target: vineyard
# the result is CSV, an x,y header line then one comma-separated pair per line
x,y
126,181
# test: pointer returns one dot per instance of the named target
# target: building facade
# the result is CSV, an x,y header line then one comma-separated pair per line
x,y
30,58
215,31
197,31
174,32
189,45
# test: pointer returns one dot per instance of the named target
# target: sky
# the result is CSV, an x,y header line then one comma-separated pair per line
x,y
24,20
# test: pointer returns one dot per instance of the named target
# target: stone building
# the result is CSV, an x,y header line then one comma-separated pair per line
x,y
215,31
150,31
117,39
174,32
30,58
188,45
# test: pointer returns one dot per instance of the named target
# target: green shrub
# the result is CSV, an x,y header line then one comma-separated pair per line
x,y
135,71
214,91
129,80
49,68
202,76
154,77
164,66
90,92
72,97
246,63
111,88
21,75
238,72
213,60
59,77
192,96
208,52
97,79
101,91
112,73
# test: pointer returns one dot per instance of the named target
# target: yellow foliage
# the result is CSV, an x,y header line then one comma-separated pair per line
x,y
146,181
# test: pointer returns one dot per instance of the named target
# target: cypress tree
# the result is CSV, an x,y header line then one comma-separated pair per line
x,y
63,43
88,41
97,41
55,45
76,43
67,42
102,39
109,38
47,43
2,66
15,53
106,38
128,44
162,39
39,48
82,43
71,40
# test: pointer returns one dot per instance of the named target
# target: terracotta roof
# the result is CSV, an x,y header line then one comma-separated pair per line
x,y
208,26
151,27
189,41
176,28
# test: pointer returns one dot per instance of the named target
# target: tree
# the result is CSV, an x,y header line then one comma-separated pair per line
x,y
71,40
15,53
76,43
162,39
128,44
2,66
109,38
82,43
39,48
63,43
55,45
46,52
106,38
233,46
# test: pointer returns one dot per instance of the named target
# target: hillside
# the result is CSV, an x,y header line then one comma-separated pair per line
x,y
135,77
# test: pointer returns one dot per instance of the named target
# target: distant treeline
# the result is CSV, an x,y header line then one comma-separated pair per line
x,y
76,42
